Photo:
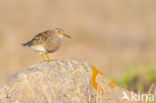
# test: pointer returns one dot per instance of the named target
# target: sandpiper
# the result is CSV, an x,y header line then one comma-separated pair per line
x,y
47,42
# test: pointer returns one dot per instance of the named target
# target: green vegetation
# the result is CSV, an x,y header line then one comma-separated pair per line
x,y
138,79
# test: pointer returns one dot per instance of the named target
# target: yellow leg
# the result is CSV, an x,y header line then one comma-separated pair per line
x,y
48,57
44,60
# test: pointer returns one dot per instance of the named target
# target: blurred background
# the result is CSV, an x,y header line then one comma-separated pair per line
x,y
117,36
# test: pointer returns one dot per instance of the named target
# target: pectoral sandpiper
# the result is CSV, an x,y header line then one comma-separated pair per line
x,y
47,42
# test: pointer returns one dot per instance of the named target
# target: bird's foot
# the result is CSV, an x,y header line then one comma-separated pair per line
x,y
49,60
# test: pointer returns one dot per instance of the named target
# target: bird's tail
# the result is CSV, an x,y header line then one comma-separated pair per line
x,y
28,44
24,44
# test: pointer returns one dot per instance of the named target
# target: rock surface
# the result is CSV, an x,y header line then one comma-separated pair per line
x,y
70,81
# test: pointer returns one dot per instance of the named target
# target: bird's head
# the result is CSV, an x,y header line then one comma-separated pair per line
x,y
61,33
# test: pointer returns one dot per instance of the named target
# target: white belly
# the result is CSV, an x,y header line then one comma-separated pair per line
x,y
38,48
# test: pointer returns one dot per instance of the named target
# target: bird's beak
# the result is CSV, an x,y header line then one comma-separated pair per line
x,y
66,35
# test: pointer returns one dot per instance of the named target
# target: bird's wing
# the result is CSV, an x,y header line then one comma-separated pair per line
x,y
40,38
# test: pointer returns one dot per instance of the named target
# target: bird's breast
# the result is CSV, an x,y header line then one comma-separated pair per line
x,y
53,45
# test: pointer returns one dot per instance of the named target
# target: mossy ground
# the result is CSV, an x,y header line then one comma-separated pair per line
x,y
138,79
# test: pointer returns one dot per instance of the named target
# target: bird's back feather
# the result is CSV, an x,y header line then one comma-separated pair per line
x,y
38,39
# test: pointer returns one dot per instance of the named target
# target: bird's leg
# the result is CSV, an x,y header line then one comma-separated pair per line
x,y
48,57
44,60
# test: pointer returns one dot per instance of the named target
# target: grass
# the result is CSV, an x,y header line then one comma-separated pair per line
x,y
138,79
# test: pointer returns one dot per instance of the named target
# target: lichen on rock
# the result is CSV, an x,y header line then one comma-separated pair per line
x,y
69,81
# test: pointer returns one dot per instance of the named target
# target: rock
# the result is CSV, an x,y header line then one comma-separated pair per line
x,y
70,81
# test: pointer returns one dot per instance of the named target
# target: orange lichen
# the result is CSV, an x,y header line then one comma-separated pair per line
x,y
112,84
95,72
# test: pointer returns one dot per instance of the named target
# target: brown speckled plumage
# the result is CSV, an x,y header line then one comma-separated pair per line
x,y
47,42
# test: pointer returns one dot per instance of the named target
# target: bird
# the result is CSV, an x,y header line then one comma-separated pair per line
x,y
46,42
